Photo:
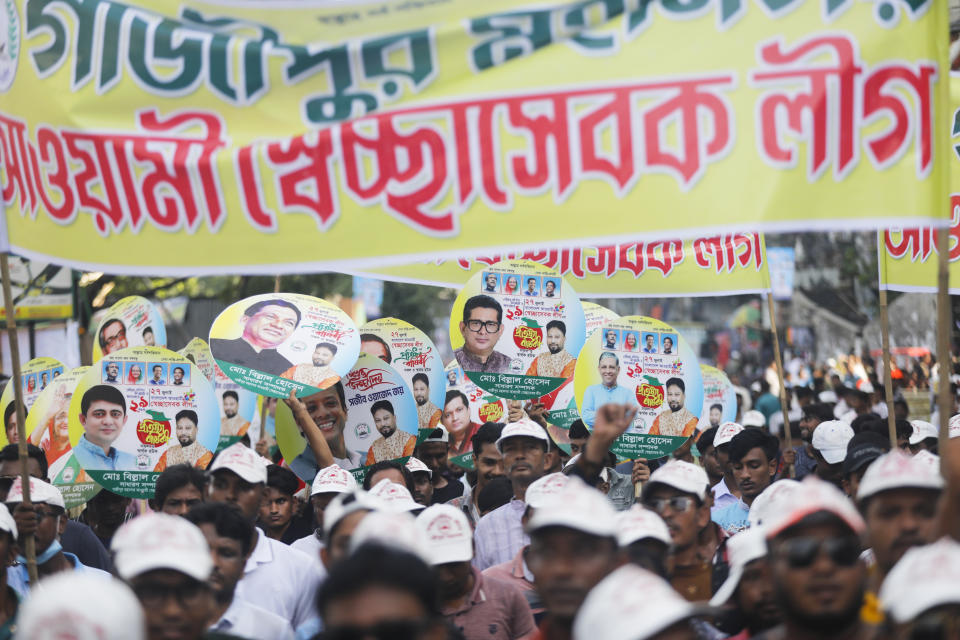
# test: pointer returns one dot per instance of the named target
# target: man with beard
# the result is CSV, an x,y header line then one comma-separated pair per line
x,y
319,373
608,391
748,590
189,450
753,457
897,497
266,325
557,363
392,443
456,420
817,573
321,419
229,537
232,424
428,414
677,421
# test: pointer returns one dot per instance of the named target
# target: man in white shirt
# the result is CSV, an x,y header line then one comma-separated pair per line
x,y
327,485
276,577
229,536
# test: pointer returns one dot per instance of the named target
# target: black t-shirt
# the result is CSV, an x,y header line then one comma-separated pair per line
x,y
454,489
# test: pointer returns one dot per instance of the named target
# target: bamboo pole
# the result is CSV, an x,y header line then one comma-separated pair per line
x,y
788,432
944,401
887,373
28,543
263,401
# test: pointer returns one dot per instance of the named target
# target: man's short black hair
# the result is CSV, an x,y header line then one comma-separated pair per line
x,y
189,414
494,494
578,430
820,410
676,382
226,519
718,407
488,433
329,346
861,422
100,338
372,337
557,324
705,441
253,309
231,394
382,405
420,377
181,370
482,302
175,477
750,439
376,565
388,464
879,425
11,453
147,330
283,480
104,392
456,393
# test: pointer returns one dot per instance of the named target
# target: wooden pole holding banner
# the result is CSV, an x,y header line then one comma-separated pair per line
x,y
28,543
944,401
887,373
263,403
788,432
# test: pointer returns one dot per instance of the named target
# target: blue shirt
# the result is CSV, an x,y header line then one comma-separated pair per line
x,y
19,579
90,456
598,395
732,518
499,535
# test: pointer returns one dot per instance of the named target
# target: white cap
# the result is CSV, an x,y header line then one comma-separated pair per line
x,y
638,523
812,496
522,428
242,461
394,529
725,433
40,492
630,604
898,470
954,426
922,430
576,506
415,465
447,533
345,504
753,418
333,479
6,521
743,548
542,489
770,501
866,387
932,460
443,437
828,396
830,438
395,497
925,577
161,541
682,476
82,605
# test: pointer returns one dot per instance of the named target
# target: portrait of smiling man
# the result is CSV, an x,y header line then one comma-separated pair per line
x,y
266,325
102,413
481,328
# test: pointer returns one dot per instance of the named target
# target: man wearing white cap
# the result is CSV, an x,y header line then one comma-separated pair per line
x,y
820,580
51,521
229,536
644,539
725,492
476,605
499,535
829,443
749,589
921,594
276,577
167,563
898,497
924,436
327,485
433,451
573,546
422,481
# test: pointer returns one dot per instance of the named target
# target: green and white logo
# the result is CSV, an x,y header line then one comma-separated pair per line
x,y
9,43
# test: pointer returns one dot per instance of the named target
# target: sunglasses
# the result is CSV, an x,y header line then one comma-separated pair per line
x,y
678,503
801,553
394,630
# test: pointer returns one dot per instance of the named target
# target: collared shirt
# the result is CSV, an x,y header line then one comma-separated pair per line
x,y
517,573
310,545
155,381
496,362
246,620
306,467
499,535
19,579
281,580
90,456
495,610
598,395
732,518
722,496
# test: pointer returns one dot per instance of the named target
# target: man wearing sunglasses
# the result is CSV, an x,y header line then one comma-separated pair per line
x,y
814,545
481,328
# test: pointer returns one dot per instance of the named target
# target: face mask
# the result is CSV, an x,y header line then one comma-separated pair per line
x,y
44,557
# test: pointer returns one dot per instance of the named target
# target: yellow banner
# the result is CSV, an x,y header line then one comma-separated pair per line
x,y
726,264
211,137
908,257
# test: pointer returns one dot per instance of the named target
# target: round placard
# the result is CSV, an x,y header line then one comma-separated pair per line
x,y
596,316
719,398
516,329
480,407
36,376
645,362
273,343
125,431
131,322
